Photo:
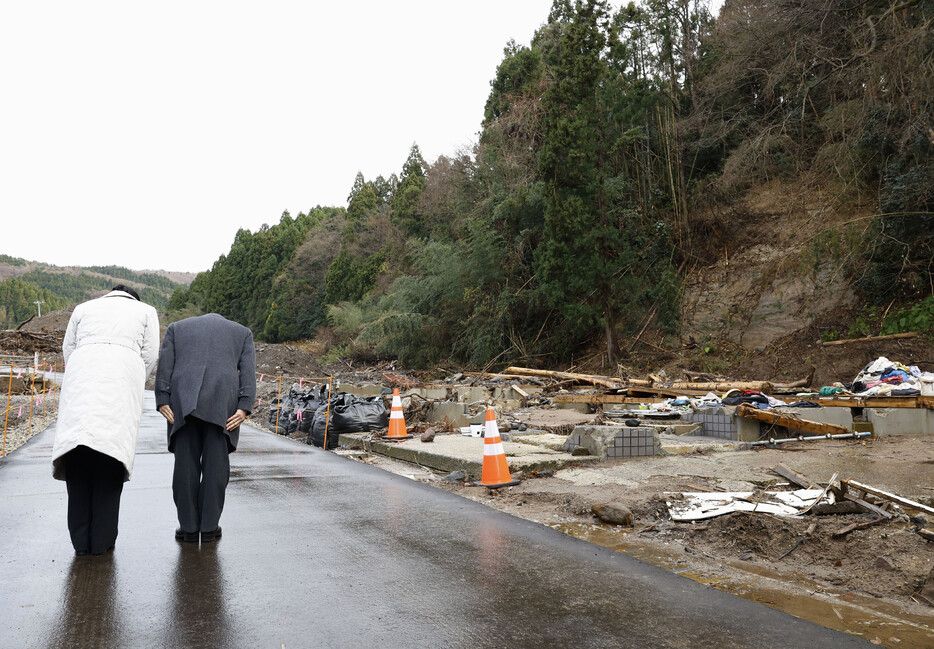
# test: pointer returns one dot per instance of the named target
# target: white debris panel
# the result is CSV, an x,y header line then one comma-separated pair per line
x,y
695,506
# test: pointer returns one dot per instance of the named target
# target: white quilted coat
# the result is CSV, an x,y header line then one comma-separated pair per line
x,y
111,346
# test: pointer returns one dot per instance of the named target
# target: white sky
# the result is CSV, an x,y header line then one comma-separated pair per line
x,y
145,134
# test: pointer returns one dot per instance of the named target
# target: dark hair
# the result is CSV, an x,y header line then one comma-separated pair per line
x,y
126,289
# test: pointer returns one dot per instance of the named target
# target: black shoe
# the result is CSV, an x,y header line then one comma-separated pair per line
x,y
207,537
187,537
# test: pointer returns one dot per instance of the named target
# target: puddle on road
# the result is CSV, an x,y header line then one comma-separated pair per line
x,y
875,620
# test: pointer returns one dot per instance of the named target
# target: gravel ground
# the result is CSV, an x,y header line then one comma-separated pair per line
x,y
16,420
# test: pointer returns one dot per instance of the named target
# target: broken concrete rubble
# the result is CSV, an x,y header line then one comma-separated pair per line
x,y
614,442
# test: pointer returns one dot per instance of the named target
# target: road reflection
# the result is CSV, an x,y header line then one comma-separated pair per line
x,y
199,607
90,612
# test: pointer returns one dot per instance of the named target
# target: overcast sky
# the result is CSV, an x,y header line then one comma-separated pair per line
x,y
145,134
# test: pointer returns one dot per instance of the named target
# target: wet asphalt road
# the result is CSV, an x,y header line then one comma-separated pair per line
x,y
322,551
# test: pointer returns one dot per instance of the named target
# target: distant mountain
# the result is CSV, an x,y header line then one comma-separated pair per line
x,y
25,283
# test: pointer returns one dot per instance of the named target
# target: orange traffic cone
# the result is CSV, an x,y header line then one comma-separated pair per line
x,y
397,429
495,470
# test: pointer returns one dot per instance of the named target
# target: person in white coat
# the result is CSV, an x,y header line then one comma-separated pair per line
x,y
111,346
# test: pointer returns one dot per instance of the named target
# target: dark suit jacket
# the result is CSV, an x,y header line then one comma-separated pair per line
x,y
206,370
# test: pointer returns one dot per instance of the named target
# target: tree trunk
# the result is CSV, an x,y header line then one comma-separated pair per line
x,y
612,346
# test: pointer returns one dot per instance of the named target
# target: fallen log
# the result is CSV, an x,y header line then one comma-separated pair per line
x,y
800,383
870,339
494,375
789,421
885,495
759,386
604,381
707,377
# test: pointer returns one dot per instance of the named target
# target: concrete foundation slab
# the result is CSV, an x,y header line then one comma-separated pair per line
x,y
455,452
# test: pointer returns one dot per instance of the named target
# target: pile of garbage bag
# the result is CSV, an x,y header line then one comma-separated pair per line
x,y
312,411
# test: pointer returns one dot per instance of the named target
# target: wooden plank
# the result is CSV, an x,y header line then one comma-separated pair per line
x,y
885,495
867,506
792,476
522,393
654,395
597,399
667,392
788,421
872,339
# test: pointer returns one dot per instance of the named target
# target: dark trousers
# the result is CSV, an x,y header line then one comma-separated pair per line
x,y
95,483
202,470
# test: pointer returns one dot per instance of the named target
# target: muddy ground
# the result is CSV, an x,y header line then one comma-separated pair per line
x,y
876,582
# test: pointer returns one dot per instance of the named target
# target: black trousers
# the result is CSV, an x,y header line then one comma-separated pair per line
x,y
95,483
202,471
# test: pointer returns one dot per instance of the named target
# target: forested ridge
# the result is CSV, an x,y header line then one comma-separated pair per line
x,y
615,148
58,288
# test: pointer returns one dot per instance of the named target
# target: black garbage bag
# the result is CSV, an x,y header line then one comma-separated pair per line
x,y
280,412
348,414
296,410
308,403
735,400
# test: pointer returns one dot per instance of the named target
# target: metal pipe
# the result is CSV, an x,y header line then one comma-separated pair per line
x,y
801,438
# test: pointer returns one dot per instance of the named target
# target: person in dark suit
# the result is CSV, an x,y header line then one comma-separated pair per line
x,y
205,388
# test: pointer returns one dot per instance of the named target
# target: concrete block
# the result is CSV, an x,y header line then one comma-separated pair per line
x,y
472,394
826,415
900,421
579,407
455,413
430,393
613,442
367,390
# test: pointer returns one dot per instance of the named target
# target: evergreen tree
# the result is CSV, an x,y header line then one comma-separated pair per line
x,y
363,200
405,213
577,259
